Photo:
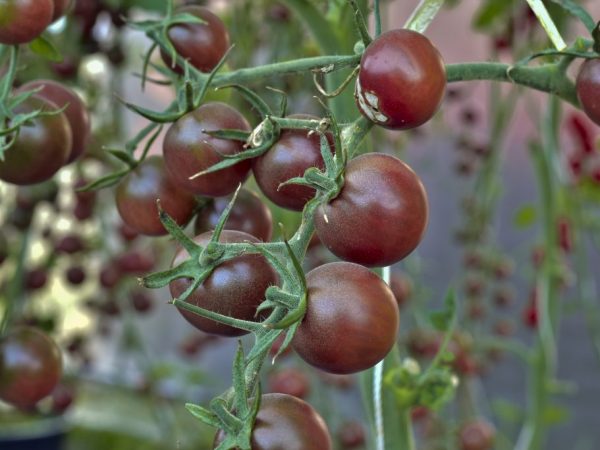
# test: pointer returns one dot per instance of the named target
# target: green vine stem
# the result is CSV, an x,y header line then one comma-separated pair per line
x,y
547,78
544,355
14,291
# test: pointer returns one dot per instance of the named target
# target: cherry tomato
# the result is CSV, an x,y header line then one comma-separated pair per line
x,y
292,154
401,286
41,147
234,288
76,112
137,193
346,299
588,88
380,214
249,214
286,422
402,80
60,8
289,381
188,150
30,366
203,45
22,21
476,435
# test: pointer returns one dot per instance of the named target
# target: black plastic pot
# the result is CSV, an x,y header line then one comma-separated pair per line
x,y
44,434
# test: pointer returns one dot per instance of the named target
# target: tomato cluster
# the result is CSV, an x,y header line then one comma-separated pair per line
x,y
49,141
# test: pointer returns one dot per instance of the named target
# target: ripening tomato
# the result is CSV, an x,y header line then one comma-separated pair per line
x,y
380,214
293,153
203,45
249,214
188,150
22,21
234,288
402,80
60,8
137,193
476,434
286,422
30,366
351,320
41,147
76,112
588,88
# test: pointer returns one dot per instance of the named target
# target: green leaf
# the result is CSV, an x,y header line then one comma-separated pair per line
x,y
44,47
554,415
578,11
442,319
490,12
525,216
596,36
203,414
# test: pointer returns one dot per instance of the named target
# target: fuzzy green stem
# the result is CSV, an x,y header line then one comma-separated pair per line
x,y
547,78
249,75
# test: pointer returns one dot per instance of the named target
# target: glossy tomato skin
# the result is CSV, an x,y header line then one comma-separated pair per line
x,y
137,193
380,214
22,21
76,112
188,150
588,88
60,8
30,366
293,153
249,214
41,148
351,321
286,422
235,288
203,45
402,80
476,435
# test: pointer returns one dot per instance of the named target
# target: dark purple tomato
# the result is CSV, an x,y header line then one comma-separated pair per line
x,y
30,366
249,214
380,214
286,422
188,150
290,381
352,435
588,89
22,21
203,45
346,300
41,147
476,435
62,398
141,301
75,275
60,8
137,193
76,112
235,288
401,286
402,80
292,154
36,278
